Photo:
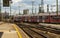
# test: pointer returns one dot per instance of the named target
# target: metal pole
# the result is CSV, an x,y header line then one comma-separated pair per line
x,y
5,14
32,6
0,6
48,8
51,8
42,6
19,10
57,7
39,8
10,9
48,11
0,10
35,10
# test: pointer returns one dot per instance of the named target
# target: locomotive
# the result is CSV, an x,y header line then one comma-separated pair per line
x,y
39,18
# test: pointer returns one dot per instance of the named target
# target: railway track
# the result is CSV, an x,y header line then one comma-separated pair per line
x,y
31,33
48,29
43,28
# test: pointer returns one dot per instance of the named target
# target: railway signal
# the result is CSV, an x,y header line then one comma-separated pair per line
x,y
6,3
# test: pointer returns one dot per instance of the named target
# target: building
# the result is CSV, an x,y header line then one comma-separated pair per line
x,y
25,11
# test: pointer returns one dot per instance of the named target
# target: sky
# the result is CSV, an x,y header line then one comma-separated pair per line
x,y
27,4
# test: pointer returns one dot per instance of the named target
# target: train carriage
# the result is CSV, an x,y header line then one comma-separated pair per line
x,y
43,17
52,18
55,19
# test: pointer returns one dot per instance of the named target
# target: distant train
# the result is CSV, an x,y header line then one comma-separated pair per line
x,y
41,18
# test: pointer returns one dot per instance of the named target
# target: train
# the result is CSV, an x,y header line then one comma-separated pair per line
x,y
38,18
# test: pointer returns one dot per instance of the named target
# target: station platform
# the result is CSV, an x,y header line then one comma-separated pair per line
x,y
53,26
8,30
57,26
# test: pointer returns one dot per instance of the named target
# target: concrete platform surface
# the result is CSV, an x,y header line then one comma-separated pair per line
x,y
9,31
6,27
12,34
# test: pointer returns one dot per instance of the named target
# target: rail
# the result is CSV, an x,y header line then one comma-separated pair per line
x,y
27,30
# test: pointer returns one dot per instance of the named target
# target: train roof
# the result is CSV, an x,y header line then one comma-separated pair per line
x,y
44,14
41,14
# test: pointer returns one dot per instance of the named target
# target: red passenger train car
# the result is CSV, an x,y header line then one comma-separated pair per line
x,y
41,18
53,19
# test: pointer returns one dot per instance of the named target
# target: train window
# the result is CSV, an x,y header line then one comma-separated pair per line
x,y
45,17
40,17
18,18
56,17
32,17
25,17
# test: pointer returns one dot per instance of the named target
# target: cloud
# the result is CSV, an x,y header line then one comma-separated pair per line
x,y
16,1
27,4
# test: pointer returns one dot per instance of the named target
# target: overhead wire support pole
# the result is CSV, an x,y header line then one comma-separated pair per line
x,y
19,10
42,6
0,9
57,7
32,6
48,8
39,8
0,6
48,11
10,8
5,15
1,14
35,10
